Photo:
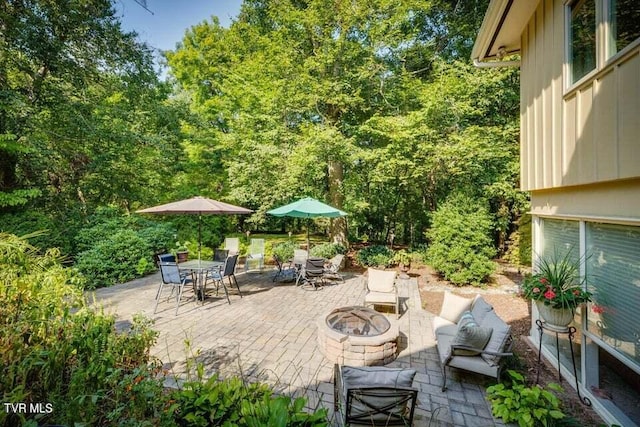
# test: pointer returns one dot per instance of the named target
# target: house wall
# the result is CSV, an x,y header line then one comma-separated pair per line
x,y
577,135
613,202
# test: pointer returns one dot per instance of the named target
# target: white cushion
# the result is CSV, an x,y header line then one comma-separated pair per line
x,y
453,306
381,280
498,338
443,326
380,297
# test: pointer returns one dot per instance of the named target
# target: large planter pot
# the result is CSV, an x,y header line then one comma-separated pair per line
x,y
182,256
557,319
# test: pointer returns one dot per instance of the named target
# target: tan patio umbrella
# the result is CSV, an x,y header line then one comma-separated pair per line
x,y
197,206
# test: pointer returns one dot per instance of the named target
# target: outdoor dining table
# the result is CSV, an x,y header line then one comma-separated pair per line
x,y
199,268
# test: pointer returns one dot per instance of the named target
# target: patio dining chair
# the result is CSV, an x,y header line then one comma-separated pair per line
x,y
220,255
285,271
255,254
176,279
232,244
218,277
298,261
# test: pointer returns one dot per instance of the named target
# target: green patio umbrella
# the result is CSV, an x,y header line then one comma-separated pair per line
x,y
307,208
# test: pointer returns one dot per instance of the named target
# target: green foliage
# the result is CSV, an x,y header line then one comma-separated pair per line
x,y
402,257
117,248
461,248
373,256
528,406
556,281
50,232
113,260
520,251
233,402
57,350
284,250
328,250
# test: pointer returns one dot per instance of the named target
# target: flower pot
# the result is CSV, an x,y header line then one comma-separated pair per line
x,y
557,319
182,256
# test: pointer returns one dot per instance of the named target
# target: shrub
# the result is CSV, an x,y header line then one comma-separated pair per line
x,y
528,406
50,232
374,256
284,250
461,248
328,250
233,402
115,259
57,350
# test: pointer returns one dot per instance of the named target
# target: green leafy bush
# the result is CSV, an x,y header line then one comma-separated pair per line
x,y
49,232
117,248
328,250
374,256
461,248
284,250
233,402
115,259
528,406
57,350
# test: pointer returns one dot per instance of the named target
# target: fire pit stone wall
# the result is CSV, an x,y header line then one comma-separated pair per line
x,y
351,350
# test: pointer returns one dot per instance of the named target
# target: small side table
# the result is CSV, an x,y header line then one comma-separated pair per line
x,y
571,332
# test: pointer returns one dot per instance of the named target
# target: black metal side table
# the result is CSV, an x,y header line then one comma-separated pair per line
x,y
570,330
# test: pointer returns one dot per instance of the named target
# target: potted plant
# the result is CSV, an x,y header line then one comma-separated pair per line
x,y
557,289
403,259
182,251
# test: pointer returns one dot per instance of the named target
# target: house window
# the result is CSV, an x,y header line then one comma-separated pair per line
x,y
624,24
582,39
613,274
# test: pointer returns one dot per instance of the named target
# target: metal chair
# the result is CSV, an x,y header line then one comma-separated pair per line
x,y
332,268
284,271
374,396
220,255
218,276
255,254
313,273
171,275
232,244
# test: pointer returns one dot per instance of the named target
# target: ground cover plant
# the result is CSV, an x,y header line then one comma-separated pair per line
x,y
68,356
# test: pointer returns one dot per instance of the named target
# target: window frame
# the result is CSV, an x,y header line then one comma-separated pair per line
x,y
603,47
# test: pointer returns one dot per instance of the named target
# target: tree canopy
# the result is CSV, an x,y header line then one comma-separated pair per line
x,y
371,106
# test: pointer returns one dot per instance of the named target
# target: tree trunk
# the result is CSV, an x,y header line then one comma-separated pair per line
x,y
338,229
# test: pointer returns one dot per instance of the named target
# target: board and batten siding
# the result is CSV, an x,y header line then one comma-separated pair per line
x,y
581,135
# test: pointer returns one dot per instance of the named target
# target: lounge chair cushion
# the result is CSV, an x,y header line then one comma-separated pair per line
x,y
381,280
469,363
498,338
372,377
470,334
443,326
480,308
380,298
453,306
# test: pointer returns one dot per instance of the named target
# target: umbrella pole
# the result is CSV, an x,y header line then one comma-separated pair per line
x,y
308,241
199,237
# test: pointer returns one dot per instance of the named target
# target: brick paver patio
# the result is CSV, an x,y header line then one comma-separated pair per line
x,y
270,335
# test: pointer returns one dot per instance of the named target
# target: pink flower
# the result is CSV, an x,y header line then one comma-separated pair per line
x,y
597,309
536,290
543,280
576,292
549,294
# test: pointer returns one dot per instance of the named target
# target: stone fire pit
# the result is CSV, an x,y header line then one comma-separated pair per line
x,y
357,336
